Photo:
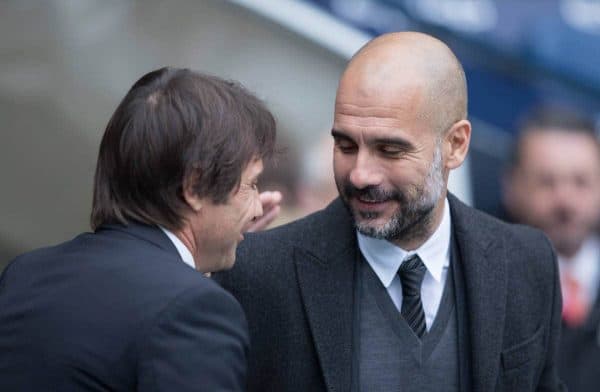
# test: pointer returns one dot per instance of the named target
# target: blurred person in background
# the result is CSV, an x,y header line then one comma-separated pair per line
x,y
303,178
281,178
316,187
553,183
127,306
397,285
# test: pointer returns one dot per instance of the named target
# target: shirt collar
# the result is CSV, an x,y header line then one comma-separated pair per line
x,y
184,252
385,257
583,266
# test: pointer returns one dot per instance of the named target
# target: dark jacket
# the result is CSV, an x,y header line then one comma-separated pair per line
x,y
296,285
579,354
117,310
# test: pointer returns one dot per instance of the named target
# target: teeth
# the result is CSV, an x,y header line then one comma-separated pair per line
x,y
369,201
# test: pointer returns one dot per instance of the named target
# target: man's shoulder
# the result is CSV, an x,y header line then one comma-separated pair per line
x,y
471,219
141,286
311,231
320,236
518,242
123,265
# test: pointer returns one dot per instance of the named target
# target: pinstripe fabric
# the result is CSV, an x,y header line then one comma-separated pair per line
x,y
411,273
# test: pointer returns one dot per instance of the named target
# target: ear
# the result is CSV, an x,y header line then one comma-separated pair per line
x,y
456,143
190,196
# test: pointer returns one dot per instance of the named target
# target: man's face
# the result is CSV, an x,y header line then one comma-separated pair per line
x,y
388,163
219,228
557,187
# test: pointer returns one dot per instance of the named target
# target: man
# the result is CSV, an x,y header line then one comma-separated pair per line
x,y
122,308
553,183
398,285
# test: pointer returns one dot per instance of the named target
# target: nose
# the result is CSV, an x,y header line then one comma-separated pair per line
x,y
365,171
565,197
565,192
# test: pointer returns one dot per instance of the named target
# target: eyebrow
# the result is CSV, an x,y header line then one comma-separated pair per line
x,y
340,135
388,140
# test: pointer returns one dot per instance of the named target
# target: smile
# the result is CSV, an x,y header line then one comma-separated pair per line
x,y
370,201
365,204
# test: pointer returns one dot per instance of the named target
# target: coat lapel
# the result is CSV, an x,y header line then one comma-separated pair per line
x,y
592,323
326,279
483,264
326,276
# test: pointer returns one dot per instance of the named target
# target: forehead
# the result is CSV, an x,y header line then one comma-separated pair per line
x,y
371,111
366,86
559,150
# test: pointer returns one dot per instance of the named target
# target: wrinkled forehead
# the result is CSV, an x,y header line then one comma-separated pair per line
x,y
380,100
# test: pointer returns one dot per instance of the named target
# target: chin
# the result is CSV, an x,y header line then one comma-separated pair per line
x,y
228,266
222,263
228,261
374,223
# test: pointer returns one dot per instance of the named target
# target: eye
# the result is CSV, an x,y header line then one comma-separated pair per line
x,y
545,181
390,150
581,181
345,146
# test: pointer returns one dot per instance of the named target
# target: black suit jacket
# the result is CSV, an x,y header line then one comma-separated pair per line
x,y
296,285
117,310
579,354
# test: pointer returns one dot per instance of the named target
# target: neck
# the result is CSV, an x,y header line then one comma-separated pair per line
x,y
186,236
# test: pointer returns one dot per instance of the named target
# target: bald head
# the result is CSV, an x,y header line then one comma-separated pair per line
x,y
399,128
410,63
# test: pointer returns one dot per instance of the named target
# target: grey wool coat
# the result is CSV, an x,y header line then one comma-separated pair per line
x,y
295,284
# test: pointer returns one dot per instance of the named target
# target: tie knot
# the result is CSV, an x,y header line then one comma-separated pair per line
x,y
411,272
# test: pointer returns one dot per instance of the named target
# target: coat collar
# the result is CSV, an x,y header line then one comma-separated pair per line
x,y
483,263
152,234
325,269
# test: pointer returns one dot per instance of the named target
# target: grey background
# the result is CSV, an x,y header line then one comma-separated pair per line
x,y
64,66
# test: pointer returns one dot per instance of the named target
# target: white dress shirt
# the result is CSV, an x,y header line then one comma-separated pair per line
x,y
184,252
584,267
385,259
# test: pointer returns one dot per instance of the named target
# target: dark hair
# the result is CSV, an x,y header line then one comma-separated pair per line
x,y
175,126
551,118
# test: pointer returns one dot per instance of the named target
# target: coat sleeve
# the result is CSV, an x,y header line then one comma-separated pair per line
x,y
549,380
199,342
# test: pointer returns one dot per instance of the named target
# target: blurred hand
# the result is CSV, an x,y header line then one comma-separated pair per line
x,y
271,207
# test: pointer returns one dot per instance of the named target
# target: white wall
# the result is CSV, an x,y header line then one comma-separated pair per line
x,y
65,65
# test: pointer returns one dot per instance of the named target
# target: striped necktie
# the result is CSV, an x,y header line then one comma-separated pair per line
x,y
411,272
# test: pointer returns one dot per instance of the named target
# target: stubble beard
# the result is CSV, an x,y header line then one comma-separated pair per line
x,y
415,213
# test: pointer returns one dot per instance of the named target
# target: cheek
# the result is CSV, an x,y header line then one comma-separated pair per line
x,y
540,202
342,164
535,196
403,177
247,207
253,207
587,208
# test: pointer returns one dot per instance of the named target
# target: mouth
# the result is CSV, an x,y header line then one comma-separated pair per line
x,y
368,199
365,203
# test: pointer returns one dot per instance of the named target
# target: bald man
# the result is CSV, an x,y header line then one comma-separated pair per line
x,y
397,285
